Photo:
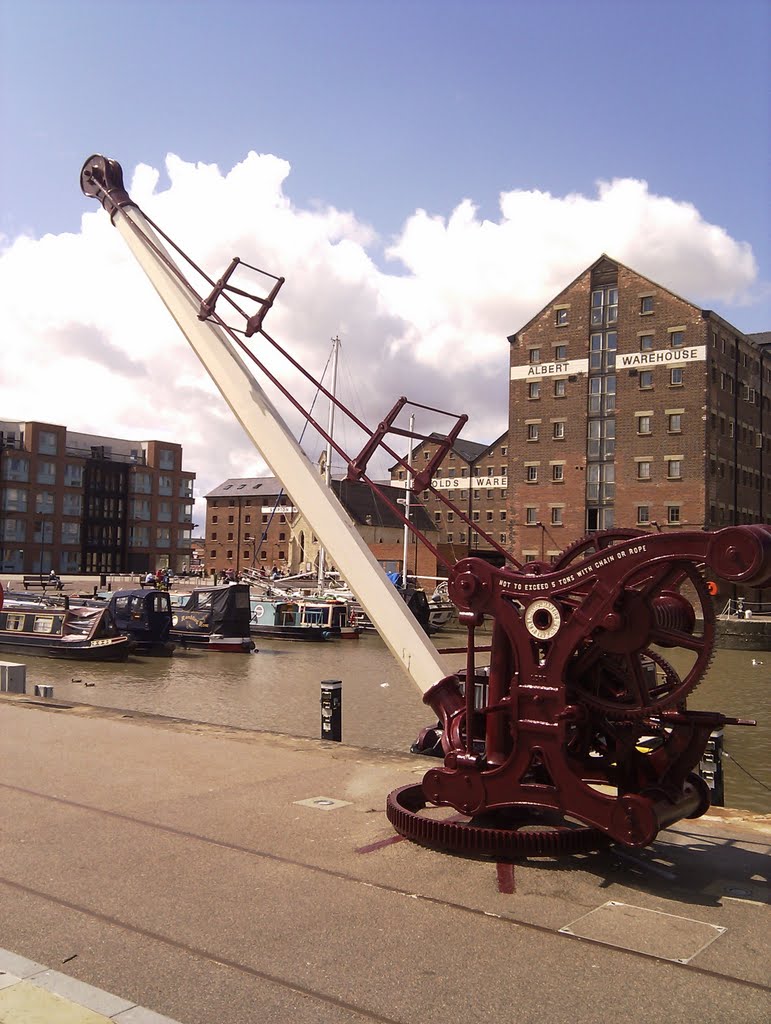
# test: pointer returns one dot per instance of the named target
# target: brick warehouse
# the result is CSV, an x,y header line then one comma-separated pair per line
x,y
251,523
631,407
485,467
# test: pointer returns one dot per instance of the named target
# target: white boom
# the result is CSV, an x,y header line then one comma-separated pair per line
x,y
270,435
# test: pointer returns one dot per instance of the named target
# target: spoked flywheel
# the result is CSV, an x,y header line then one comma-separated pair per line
x,y
617,669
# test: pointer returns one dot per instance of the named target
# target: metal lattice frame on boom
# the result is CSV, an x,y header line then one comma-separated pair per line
x,y
102,178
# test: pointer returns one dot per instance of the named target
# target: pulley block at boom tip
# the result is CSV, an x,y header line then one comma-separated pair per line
x,y
102,179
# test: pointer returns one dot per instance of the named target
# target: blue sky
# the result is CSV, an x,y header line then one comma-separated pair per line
x,y
381,109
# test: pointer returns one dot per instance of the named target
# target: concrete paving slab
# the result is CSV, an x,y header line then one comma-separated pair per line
x,y
26,1003
11,963
207,893
78,992
138,1015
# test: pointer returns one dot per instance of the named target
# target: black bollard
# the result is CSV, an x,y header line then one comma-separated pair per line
x,y
332,709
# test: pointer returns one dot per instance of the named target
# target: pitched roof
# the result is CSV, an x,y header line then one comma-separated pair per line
x,y
762,339
468,450
246,487
604,258
368,509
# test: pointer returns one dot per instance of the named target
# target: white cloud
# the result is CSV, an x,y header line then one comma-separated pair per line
x,y
87,343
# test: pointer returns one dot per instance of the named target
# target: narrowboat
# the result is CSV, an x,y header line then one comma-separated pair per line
x,y
281,619
334,615
214,619
145,617
56,631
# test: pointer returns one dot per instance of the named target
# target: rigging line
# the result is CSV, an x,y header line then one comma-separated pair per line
x,y
217,319
753,777
264,533
240,345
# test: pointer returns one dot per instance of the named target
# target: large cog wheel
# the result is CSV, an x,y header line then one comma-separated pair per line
x,y
608,671
528,833
592,544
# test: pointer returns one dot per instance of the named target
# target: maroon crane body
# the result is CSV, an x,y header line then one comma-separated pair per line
x,y
578,732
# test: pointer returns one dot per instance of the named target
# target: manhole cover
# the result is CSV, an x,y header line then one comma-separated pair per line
x,y
323,803
645,931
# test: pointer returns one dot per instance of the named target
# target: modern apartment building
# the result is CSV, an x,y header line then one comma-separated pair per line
x,y
474,477
632,407
82,503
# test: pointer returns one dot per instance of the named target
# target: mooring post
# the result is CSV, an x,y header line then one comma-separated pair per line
x,y
332,709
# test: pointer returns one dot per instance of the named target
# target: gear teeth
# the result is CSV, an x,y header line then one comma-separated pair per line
x,y
619,712
403,806
594,540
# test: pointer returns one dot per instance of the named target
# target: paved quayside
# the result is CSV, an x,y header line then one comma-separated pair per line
x,y
225,876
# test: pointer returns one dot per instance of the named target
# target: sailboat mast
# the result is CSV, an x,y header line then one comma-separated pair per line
x,y
407,497
328,460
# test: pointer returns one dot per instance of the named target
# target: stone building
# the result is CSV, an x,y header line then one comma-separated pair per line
x,y
632,407
83,503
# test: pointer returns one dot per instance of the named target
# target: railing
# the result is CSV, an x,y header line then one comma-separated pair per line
x,y
740,608
99,451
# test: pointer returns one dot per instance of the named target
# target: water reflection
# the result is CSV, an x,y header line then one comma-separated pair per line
x,y
278,690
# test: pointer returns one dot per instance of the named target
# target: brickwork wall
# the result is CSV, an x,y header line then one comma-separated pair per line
x,y
542,494
704,438
665,401
486,507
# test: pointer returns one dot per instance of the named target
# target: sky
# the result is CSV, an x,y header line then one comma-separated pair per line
x,y
426,175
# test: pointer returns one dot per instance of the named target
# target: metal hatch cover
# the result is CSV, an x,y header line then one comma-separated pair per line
x,y
651,932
